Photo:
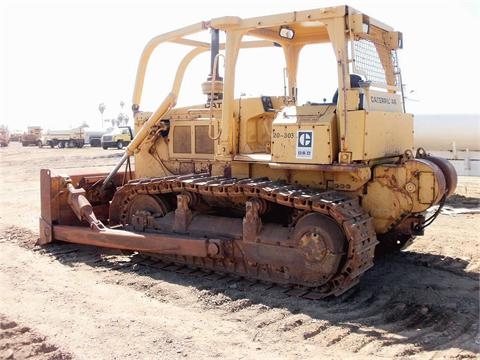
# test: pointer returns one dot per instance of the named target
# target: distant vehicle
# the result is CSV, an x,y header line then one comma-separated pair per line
x,y
64,138
94,137
16,136
33,136
4,136
118,137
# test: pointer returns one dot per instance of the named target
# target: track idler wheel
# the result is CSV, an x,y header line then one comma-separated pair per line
x,y
145,205
323,244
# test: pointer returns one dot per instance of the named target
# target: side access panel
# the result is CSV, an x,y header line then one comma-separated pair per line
x,y
305,135
376,134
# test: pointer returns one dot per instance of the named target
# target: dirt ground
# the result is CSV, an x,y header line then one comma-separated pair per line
x,y
66,301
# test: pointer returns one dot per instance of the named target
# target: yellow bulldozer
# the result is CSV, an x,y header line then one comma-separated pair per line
x,y
264,187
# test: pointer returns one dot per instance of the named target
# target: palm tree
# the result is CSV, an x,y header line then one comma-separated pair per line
x,y
101,108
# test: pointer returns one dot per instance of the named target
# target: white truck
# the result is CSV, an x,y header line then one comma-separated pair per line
x,y
93,137
64,138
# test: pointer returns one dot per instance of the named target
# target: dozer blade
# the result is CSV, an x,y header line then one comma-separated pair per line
x,y
67,215
55,208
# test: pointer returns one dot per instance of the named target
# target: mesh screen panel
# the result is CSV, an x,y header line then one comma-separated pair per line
x,y
371,59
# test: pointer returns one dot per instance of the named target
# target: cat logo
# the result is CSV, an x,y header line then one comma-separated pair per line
x,y
304,144
304,139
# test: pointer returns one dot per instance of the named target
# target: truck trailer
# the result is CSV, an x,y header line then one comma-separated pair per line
x,y
64,138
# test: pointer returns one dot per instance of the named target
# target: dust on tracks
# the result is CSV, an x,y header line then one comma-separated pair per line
x,y
407,304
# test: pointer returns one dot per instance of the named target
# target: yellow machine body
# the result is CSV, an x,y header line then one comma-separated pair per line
x,y
342,173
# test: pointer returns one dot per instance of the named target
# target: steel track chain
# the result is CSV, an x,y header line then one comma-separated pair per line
x,y
345,210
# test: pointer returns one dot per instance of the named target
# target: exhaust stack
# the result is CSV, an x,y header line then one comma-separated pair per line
x,y
213,87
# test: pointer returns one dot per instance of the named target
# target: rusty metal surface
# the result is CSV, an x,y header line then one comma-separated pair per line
x,y
266,263
82,207
144,242
54,195
46,197
257,254
45,233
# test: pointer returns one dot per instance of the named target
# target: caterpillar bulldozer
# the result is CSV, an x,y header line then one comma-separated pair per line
x,y
264,187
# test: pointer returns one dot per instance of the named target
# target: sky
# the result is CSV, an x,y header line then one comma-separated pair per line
x,y
60,59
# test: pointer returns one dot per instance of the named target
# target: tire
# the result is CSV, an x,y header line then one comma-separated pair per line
x,y
61,145
24,143
105,147
80,144
119,144
52,145
39,143
95,143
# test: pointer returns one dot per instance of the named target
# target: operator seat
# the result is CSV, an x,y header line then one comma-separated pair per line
x,y
354,83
